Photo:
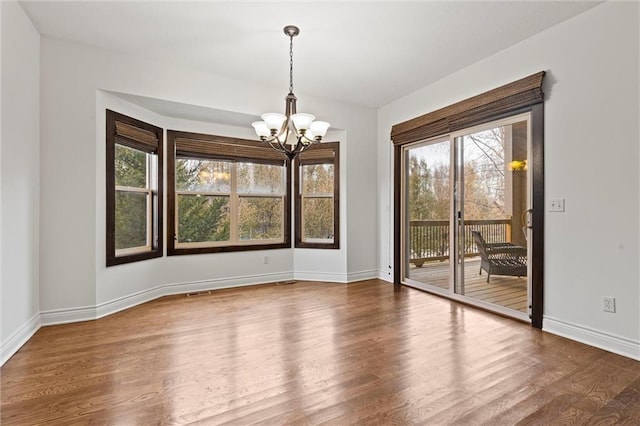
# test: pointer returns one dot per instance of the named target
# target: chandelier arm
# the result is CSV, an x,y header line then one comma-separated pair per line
x,y
282,145
293,151
275,144
275,147
304,147
311,141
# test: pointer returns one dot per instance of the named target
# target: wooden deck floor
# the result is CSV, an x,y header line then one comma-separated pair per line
x,y
309,354
509,292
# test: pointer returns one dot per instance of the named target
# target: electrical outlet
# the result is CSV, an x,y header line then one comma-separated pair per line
x,y
609,304
265,260
556,205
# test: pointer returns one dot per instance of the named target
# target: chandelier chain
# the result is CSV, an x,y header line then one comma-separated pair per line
x,y
290,64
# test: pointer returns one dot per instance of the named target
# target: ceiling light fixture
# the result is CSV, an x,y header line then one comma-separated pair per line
x,y
293,132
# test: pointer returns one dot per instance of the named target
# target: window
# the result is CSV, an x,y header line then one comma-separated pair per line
x,y
317,186
134,190
226,194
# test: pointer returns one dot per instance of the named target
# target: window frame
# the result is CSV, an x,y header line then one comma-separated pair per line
x,y
147,138
316,154
234,156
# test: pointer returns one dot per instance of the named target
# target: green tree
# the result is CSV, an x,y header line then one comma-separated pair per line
x,y
260,217
130,207
420,188
202,217
317,210
441,193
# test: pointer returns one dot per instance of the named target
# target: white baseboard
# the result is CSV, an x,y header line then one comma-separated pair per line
x,y
335,277
19,338
129,301
126,302
320,276
599,339
64,316
220,283
68,315
362,275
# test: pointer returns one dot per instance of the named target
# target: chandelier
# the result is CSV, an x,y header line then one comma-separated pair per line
x,y
293,132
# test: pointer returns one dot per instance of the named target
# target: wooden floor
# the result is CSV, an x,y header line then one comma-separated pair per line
x,y
313,353
509,292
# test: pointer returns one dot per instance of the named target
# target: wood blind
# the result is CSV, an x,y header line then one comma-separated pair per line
x,y
322,153
136,137
193,145
507,99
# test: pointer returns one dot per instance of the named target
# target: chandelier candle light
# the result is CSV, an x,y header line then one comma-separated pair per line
x,y
293,132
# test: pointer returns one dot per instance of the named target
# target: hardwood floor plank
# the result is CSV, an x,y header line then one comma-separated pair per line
x,y
309,354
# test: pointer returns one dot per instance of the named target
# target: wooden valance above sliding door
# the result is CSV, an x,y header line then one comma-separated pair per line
x,y
487,106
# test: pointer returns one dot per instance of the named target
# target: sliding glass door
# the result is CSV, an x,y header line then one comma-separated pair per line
x,y
428,195
467,199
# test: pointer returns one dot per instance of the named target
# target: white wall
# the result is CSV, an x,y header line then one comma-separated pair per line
x,y
591,160
19,170
75,283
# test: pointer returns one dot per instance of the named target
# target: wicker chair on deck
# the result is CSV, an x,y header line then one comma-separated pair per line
x,y
501,258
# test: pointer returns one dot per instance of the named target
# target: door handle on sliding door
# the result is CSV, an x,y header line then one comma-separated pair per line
x,y
527,222
527,218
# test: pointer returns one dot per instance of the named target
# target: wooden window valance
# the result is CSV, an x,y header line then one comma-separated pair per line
x,y
192,145
322,153
136,137
487,106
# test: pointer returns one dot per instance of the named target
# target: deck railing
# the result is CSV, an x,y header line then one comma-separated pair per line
x,y
429,239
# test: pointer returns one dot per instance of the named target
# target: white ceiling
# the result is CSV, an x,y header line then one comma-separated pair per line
x,y
366,53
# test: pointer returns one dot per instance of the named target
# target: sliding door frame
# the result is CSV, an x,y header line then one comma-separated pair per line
x,y
519,97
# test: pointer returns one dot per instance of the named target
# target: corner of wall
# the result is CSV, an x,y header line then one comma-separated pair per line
x,y
20,178
13,343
